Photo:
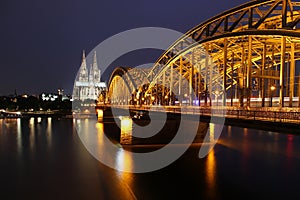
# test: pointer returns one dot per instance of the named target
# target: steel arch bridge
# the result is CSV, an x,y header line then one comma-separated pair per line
x,y
248,52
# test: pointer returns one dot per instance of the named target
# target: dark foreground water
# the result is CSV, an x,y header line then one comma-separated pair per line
x,y
45,159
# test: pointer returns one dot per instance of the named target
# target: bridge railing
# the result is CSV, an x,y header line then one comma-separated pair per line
x,y
262,114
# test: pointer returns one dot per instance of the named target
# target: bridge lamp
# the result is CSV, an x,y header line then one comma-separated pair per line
x,y
166,96
152,98
272,88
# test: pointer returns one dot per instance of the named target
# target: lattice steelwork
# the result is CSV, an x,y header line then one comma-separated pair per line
x,y
251,51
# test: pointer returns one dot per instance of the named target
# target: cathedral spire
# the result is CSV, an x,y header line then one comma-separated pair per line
x,y
83,76
83,64
95,65
95,69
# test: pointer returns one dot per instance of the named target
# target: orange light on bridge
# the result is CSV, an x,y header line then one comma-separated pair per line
x,y
273,88
99,114
126,130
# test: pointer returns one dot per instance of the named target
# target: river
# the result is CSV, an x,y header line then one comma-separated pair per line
x,y
44,158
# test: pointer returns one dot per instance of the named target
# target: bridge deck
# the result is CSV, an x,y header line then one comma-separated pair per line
x,y
284,115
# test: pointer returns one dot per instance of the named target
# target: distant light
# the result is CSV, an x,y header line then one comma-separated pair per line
x,y
273,88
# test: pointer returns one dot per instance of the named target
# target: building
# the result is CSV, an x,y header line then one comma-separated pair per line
x,y
88,85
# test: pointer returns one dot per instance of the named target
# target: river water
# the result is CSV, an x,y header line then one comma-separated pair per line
x,y
44,158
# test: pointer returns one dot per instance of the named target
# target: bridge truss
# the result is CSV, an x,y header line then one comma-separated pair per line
x,y
250,51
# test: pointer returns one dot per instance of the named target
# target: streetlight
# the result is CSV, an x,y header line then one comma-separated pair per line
x,y
152,98
166,100
273,88
143,101
185,98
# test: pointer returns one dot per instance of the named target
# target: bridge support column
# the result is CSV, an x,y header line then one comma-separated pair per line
x,y
249,71
206,77
156,94
192,77
224,71
232,74
262,80
163,98
299,92
292,75
242,79
191,85
210,65
180,80
282,72
171,85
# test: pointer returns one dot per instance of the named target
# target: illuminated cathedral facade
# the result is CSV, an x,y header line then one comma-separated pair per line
x,y
88,85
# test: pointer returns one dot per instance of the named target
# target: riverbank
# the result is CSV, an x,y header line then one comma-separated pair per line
x,y
56,114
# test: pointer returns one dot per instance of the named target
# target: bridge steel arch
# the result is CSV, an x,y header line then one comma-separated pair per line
x,y
125,84
253,49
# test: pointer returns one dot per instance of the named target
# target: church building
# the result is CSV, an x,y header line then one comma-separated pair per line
x,y
88,84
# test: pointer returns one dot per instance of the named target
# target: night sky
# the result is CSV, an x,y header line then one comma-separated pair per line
x,y
42,40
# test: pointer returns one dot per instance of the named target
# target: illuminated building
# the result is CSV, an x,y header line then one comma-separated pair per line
x,y
88,84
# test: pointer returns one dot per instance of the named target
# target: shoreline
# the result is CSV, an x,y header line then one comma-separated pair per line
x,y
274,126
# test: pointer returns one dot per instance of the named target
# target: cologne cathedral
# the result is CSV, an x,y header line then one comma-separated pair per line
x,y
88,84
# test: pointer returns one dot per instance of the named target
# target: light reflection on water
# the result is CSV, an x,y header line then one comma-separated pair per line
x,y
19,137
241,154
211,133
32,133
123,160
49,131
211,174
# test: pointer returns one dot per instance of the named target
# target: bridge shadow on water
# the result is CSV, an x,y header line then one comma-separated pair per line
x,y
170,124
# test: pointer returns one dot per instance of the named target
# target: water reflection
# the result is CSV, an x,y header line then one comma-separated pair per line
x,y
251,142
2,125
289,150
229,131
211,132
123,159
211,174
49,131
255,163
19,135
31,133
126,130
